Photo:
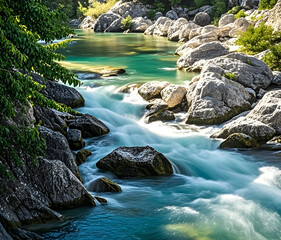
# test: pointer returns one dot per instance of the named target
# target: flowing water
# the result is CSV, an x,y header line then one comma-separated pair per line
x,y
213,195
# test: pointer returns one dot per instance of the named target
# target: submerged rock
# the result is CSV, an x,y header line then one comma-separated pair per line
x,y
164,116
104,185
136,162
89,126
239,140
82,155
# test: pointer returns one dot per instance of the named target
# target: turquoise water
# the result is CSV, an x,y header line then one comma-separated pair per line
x,y
213,195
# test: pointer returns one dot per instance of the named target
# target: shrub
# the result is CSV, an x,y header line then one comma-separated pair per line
x,y
126,23
240,14
98,8
150,13
273,58
267,4
231,76
234,10
256,40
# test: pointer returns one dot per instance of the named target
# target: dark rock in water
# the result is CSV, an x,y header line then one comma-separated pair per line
x,y
3,234
60,93
49,119
89,126
101,200
20,234
239,140
64,115
136,162
58,148
75,140
104,185
88,75
82,155
161,116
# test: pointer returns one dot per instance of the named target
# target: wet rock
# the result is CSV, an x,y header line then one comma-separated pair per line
x,y
203,52
214,99
74,138
3,234
158,111
226,19
139,24
173,95
104,185
172,15
164,116
202,19
255,129
64,115
20,234
89,126
129,87
58,148
48,118
60,93
100,200
81,156
152,89
248,71
239,140
136,162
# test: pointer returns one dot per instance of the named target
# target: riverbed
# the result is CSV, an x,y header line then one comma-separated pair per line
x,y
213,195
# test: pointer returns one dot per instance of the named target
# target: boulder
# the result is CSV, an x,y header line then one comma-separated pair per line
x,y
249,4
202,19
81,156
277,79
203,52
248,71
161,26
136,162
186,29
255,129
172,15
181,12
88,22
152,89
21,234
175,28
58,148
3,233
129,87
274,17
150,30
105,20
164,116
226,19
214,99
103,185
89,126
158,15
75,22
48,118
60,93
197,41
234,3
239,26
125,9
139,24
115,26
239,140
74,138
173,95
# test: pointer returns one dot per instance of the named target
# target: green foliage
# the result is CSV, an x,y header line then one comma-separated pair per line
x,y
267,4
240,14
231,76
273,58
126,23
81,10
150,13
175,2
200,3
234,10
21,27
98,8
256,40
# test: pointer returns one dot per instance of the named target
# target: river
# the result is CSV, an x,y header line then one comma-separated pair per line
x,y
213,195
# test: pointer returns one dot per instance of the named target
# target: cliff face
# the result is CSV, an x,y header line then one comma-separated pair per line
x,y
37,190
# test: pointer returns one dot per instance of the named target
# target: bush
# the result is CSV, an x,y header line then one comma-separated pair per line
x,y
150,13
126,23
267,4
234,10
240,14
273,58
256,40
98,8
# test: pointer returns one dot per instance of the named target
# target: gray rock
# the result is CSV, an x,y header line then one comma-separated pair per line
x,y
115,26
173,95
104,185
172,15
203,52
164,116
249,4
58,148
88,22
60,93
89,126
152,89
274,17
48,118
214,99
74,138
226,19
136,162
75,22
249,71
239,140
21,234
129,87
161,26
3,234
158,15
81,156
277,79
202,19
186,29
105,20
139,24
129,9
240,25
175,28
150,30
261,54
234,3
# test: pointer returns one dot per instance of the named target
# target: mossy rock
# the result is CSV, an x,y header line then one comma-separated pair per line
x,y
101,200
104,185
82,155
239,140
